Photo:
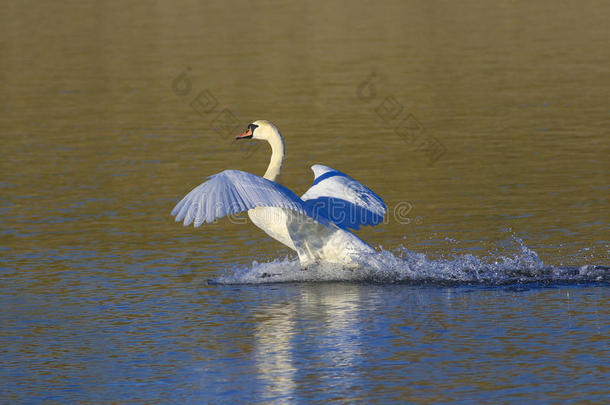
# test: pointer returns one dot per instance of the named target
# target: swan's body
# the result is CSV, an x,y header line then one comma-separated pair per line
x,y
314,225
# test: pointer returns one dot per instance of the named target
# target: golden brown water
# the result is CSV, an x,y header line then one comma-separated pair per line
x,y
473,121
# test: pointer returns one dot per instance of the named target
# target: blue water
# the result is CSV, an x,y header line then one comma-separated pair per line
x,y
132,329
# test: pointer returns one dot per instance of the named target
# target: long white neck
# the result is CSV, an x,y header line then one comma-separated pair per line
x,y
277,157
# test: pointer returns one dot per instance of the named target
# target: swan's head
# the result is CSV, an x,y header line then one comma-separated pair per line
x,y
260,129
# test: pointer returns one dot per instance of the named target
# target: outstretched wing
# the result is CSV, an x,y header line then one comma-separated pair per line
x,y
342,199
234,191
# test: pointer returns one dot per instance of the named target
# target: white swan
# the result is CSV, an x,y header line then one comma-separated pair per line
x,y
316,225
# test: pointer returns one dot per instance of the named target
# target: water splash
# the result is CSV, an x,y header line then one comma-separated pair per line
x,y
405,266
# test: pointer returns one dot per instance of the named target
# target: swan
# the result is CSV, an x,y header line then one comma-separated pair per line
x,y
316,225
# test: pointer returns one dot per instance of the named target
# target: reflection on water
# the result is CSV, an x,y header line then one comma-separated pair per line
x,y
335,347
274,348
105,299
349,341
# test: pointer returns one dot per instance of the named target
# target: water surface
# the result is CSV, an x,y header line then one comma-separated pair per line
x,y
496,249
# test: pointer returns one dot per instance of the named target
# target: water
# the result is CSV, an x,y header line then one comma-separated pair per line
x,y
405,266
491,279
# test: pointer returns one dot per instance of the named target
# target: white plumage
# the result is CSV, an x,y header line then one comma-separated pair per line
x,y
315,225
231,192
343,200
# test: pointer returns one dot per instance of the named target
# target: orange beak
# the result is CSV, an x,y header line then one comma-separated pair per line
x,y
245,135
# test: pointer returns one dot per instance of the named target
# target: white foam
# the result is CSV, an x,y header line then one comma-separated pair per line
x,y
405,266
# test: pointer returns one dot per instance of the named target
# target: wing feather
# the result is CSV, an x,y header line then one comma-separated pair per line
x,y
233,191
343,200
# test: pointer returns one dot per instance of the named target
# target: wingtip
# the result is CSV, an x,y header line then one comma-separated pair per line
x,y
176,208
319,169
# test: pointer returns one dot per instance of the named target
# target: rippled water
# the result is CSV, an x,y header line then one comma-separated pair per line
x,y
484,128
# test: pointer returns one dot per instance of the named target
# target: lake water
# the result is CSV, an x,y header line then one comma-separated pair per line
x,y
484,128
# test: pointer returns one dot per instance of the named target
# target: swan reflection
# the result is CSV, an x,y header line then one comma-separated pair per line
x,y
283,354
